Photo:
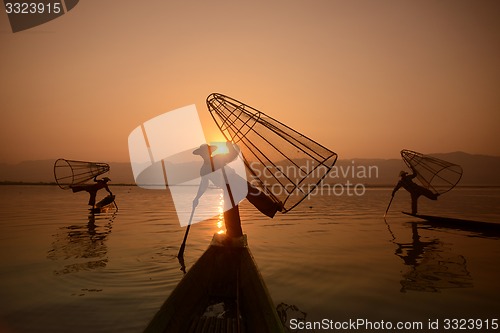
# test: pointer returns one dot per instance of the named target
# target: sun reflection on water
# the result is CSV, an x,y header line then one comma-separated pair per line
x,y
220,220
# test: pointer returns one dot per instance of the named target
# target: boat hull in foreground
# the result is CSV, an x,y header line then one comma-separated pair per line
x,y
222,292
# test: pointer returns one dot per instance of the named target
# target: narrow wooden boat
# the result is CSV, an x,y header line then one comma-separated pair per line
x,y
222,292
105,204
485,228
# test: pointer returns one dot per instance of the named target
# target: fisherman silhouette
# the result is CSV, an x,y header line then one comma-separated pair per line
x,y
222,180
414,189
93,188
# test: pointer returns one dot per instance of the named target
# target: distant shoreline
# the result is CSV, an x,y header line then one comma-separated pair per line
x,y
48,183
125,184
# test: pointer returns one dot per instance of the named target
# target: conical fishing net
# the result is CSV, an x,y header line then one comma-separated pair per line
x,y
282,162
69,172
435,174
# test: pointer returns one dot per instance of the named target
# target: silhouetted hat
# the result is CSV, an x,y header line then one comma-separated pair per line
x,y
403,173
204,149
106,179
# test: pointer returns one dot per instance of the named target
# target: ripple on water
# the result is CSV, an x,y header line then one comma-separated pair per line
x,y
64,270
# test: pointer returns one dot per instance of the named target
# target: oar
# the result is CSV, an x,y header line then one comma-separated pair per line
x,y
180,255
114,202
388,206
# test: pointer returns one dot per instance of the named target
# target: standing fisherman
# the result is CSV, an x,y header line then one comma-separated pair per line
x,y
222,180
414,189
93,188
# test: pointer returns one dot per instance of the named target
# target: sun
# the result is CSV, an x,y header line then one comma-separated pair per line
x,y
221,147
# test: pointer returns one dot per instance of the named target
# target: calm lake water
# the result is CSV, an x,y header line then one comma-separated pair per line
x,y
332,257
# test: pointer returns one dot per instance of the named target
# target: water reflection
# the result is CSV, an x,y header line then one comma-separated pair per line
x,y
432,266
220,219
82,246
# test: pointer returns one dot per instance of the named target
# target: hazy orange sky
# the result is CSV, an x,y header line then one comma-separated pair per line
x,y
364,78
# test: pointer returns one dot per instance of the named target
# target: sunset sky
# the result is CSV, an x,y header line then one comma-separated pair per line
x,y
364,78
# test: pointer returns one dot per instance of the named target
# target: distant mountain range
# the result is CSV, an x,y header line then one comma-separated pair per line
x,y
479,170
